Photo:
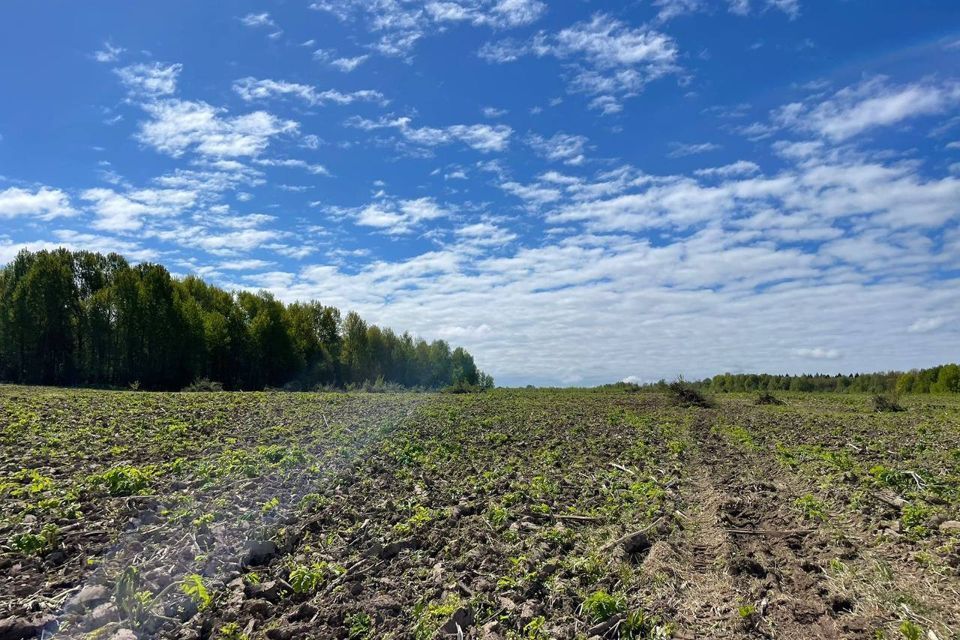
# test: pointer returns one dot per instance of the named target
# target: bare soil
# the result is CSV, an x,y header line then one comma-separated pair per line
x,y
511,514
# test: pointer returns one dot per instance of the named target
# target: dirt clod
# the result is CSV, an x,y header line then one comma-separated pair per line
x,y
950,526
461,620
259,552
22,628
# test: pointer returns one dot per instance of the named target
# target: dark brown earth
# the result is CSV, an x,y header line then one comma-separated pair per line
x,y
513,514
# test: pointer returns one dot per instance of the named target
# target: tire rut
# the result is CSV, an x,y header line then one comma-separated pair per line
x,y
754,569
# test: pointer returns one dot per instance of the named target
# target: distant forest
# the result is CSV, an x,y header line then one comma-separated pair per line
x,y
942,379
87,319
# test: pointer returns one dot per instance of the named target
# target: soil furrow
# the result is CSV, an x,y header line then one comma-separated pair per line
x,y
754,567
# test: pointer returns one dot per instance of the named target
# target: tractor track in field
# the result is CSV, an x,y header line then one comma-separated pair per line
x,y
754,567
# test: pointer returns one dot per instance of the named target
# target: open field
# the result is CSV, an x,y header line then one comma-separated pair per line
x,y
509,514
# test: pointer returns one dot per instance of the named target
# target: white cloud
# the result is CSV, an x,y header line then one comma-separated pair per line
x,y
679,149
481,137
262,20
669,9
215,240
672,8
258,20
493,112
744,7
150,80
561,147
108,53
789,7
608,43
673,298
926,325
311,141
250,89
244,265
499,13
614,60
45,203
349,64
533,194
177,126
126,212
817,353
400,24
80,241
395,216
868,105
485,234
824,191
315,169
221,218
738,168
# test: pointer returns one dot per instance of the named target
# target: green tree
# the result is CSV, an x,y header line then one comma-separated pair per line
x,y
355,353
464,371
85,317
948,379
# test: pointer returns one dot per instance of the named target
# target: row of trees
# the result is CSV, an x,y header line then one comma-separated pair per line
x,y
85,318
856,383
942,379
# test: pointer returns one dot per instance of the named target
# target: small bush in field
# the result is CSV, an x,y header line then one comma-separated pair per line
x,y
887,403
203,384
766,397
685,395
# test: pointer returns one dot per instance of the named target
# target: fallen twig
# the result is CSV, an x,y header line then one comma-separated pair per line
x,y
896,501
771,532
624,538
916,478
561,516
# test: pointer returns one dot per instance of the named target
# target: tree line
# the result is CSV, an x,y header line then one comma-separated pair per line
x,y
83,318
940,379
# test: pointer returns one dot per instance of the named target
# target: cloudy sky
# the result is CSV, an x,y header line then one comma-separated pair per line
x,y
578,192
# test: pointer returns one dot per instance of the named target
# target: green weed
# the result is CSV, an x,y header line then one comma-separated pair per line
x,y
194,588
600,606
124,481
811,507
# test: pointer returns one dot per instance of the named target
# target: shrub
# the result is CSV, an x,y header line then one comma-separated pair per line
x,y
766,397
381,386
887,403
685,395
461,386
203,384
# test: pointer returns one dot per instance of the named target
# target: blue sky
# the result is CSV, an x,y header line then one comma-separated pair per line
x,y
577,192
